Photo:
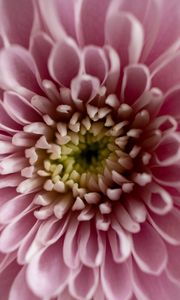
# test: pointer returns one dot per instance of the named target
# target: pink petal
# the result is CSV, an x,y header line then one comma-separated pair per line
x,y
95,62
167,225
58,17
171,103
170,66
116,284
29,246
14,207
173,266
48,264
6,123
149,286
114,69
168,32
17,70
70,247
172,174
17,20
149,250
6,279
90,20
125,34
136,81
40,49
158,199
168,150
15,232
84,87
90,245
83,283
67,53
20,290
148,13
20,109
120,243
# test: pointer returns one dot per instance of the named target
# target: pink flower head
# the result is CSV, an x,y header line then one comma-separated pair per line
x,y
89,150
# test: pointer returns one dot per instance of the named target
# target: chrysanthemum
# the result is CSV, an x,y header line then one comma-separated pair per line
x,y
89,150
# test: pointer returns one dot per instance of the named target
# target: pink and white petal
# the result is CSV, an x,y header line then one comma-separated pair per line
x,y
168,32
59,17
65,295
83,283
172,175
125,34
6,279
18,71
15,207
120,243
40,48
20,110
168,150
99,294
148,13
169,66
29,246
120,277
90,245
19,289
136,81
90,20
10,180
114,69
95,62
6,122
7,194
64,56
173,266
149,250
12,164
17,20
147,287
84,88
52,229
48,263
70,246
158,199
171,103
12,236
168,225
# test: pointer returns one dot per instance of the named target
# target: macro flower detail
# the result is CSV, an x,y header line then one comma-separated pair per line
x,y
89,150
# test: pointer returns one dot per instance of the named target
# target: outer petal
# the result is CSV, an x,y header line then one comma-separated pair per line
x,y
149,250
169,66
173,266
125,34
17,20
20,290
147,287
168,225
17,70
83,283
45,265
58,17
7,278
116,284
90,21
40,49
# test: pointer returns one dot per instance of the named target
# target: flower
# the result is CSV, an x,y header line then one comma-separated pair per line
x,y
89,150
